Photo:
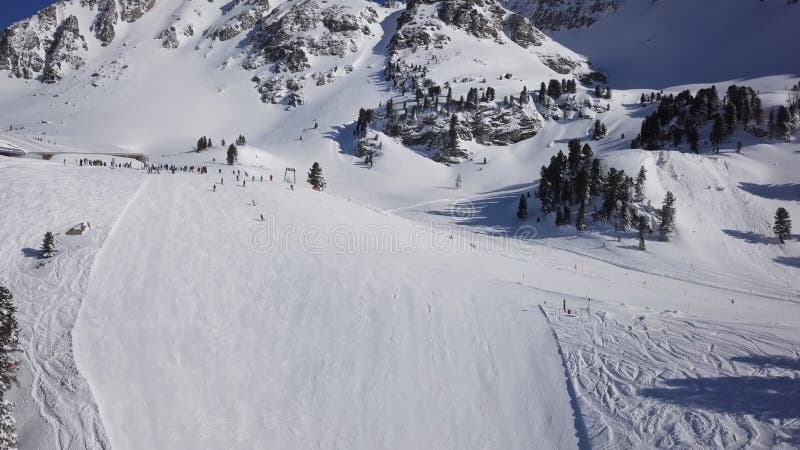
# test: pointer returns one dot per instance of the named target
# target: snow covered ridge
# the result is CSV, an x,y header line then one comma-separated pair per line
x,y
553,15
41,44
295,37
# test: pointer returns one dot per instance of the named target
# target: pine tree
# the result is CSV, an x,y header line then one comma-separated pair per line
x,y
522,208
580,220
667,225
48,245
717,133
566,217
233,154
523,96
542,92
643,230
315,177
452,145
639,187
8,432
783,225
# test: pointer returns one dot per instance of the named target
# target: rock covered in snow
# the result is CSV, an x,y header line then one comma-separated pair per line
x,y
554,15
133,10
67,49
105,21
522,31
241,21
284,43
24,45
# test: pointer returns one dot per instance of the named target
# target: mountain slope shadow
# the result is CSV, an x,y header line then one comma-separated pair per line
x,y
788,191
750,237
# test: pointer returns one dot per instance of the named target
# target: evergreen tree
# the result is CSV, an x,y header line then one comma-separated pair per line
x,y
580,220
638,186
693,137
233,154
667,225
643,229
542,92
223,142
315,177
452,145
8,432
771,124
566,217
783,225
522,208
523,96
717,133
48,245
782,123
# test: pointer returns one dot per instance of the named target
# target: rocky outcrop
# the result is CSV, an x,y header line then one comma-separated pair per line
x,y
133,10
23,45
522,31
105,21
67,50
169,38
554,15
243,21
284,43
480,18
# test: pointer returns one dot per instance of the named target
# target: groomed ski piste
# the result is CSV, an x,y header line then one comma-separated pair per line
x,y
391,310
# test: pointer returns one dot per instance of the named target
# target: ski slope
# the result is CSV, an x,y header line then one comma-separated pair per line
x,y
212,341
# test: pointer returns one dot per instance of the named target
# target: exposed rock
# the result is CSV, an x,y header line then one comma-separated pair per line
x,y
554,15
106,20
243,21
286,40
561,64
480,18
169,38
522,31
67,49
133,10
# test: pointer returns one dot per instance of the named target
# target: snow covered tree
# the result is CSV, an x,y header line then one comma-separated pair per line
x,y
453,135
233,154
542,92
566,216
643,229
9,346
667,225
638,186
783,225
48,245
522,208
580,220
523,96
600,130
241,140
315,177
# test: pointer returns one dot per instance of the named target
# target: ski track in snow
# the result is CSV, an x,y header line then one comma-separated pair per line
x,y
663,381
49,296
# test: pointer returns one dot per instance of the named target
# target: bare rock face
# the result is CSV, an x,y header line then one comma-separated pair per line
x,y
554,15
23,46
480,18
133,10
243,21
67,50
169,38
522,31
285,42
106,20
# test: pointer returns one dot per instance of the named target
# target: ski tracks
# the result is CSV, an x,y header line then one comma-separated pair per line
x,y
664,381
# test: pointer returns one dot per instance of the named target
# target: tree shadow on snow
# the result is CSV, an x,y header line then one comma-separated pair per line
x,y
764,398
788,191
750,237
791,261
345,136
32,253
774,361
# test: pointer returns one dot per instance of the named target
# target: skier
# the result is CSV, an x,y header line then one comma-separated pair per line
x,y
221,180
253,203
291,186
262,217
214,188
262,179
316,125
270,178
244,182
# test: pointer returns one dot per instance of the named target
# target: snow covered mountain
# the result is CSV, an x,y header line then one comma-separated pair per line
x,y
663,43
411,304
